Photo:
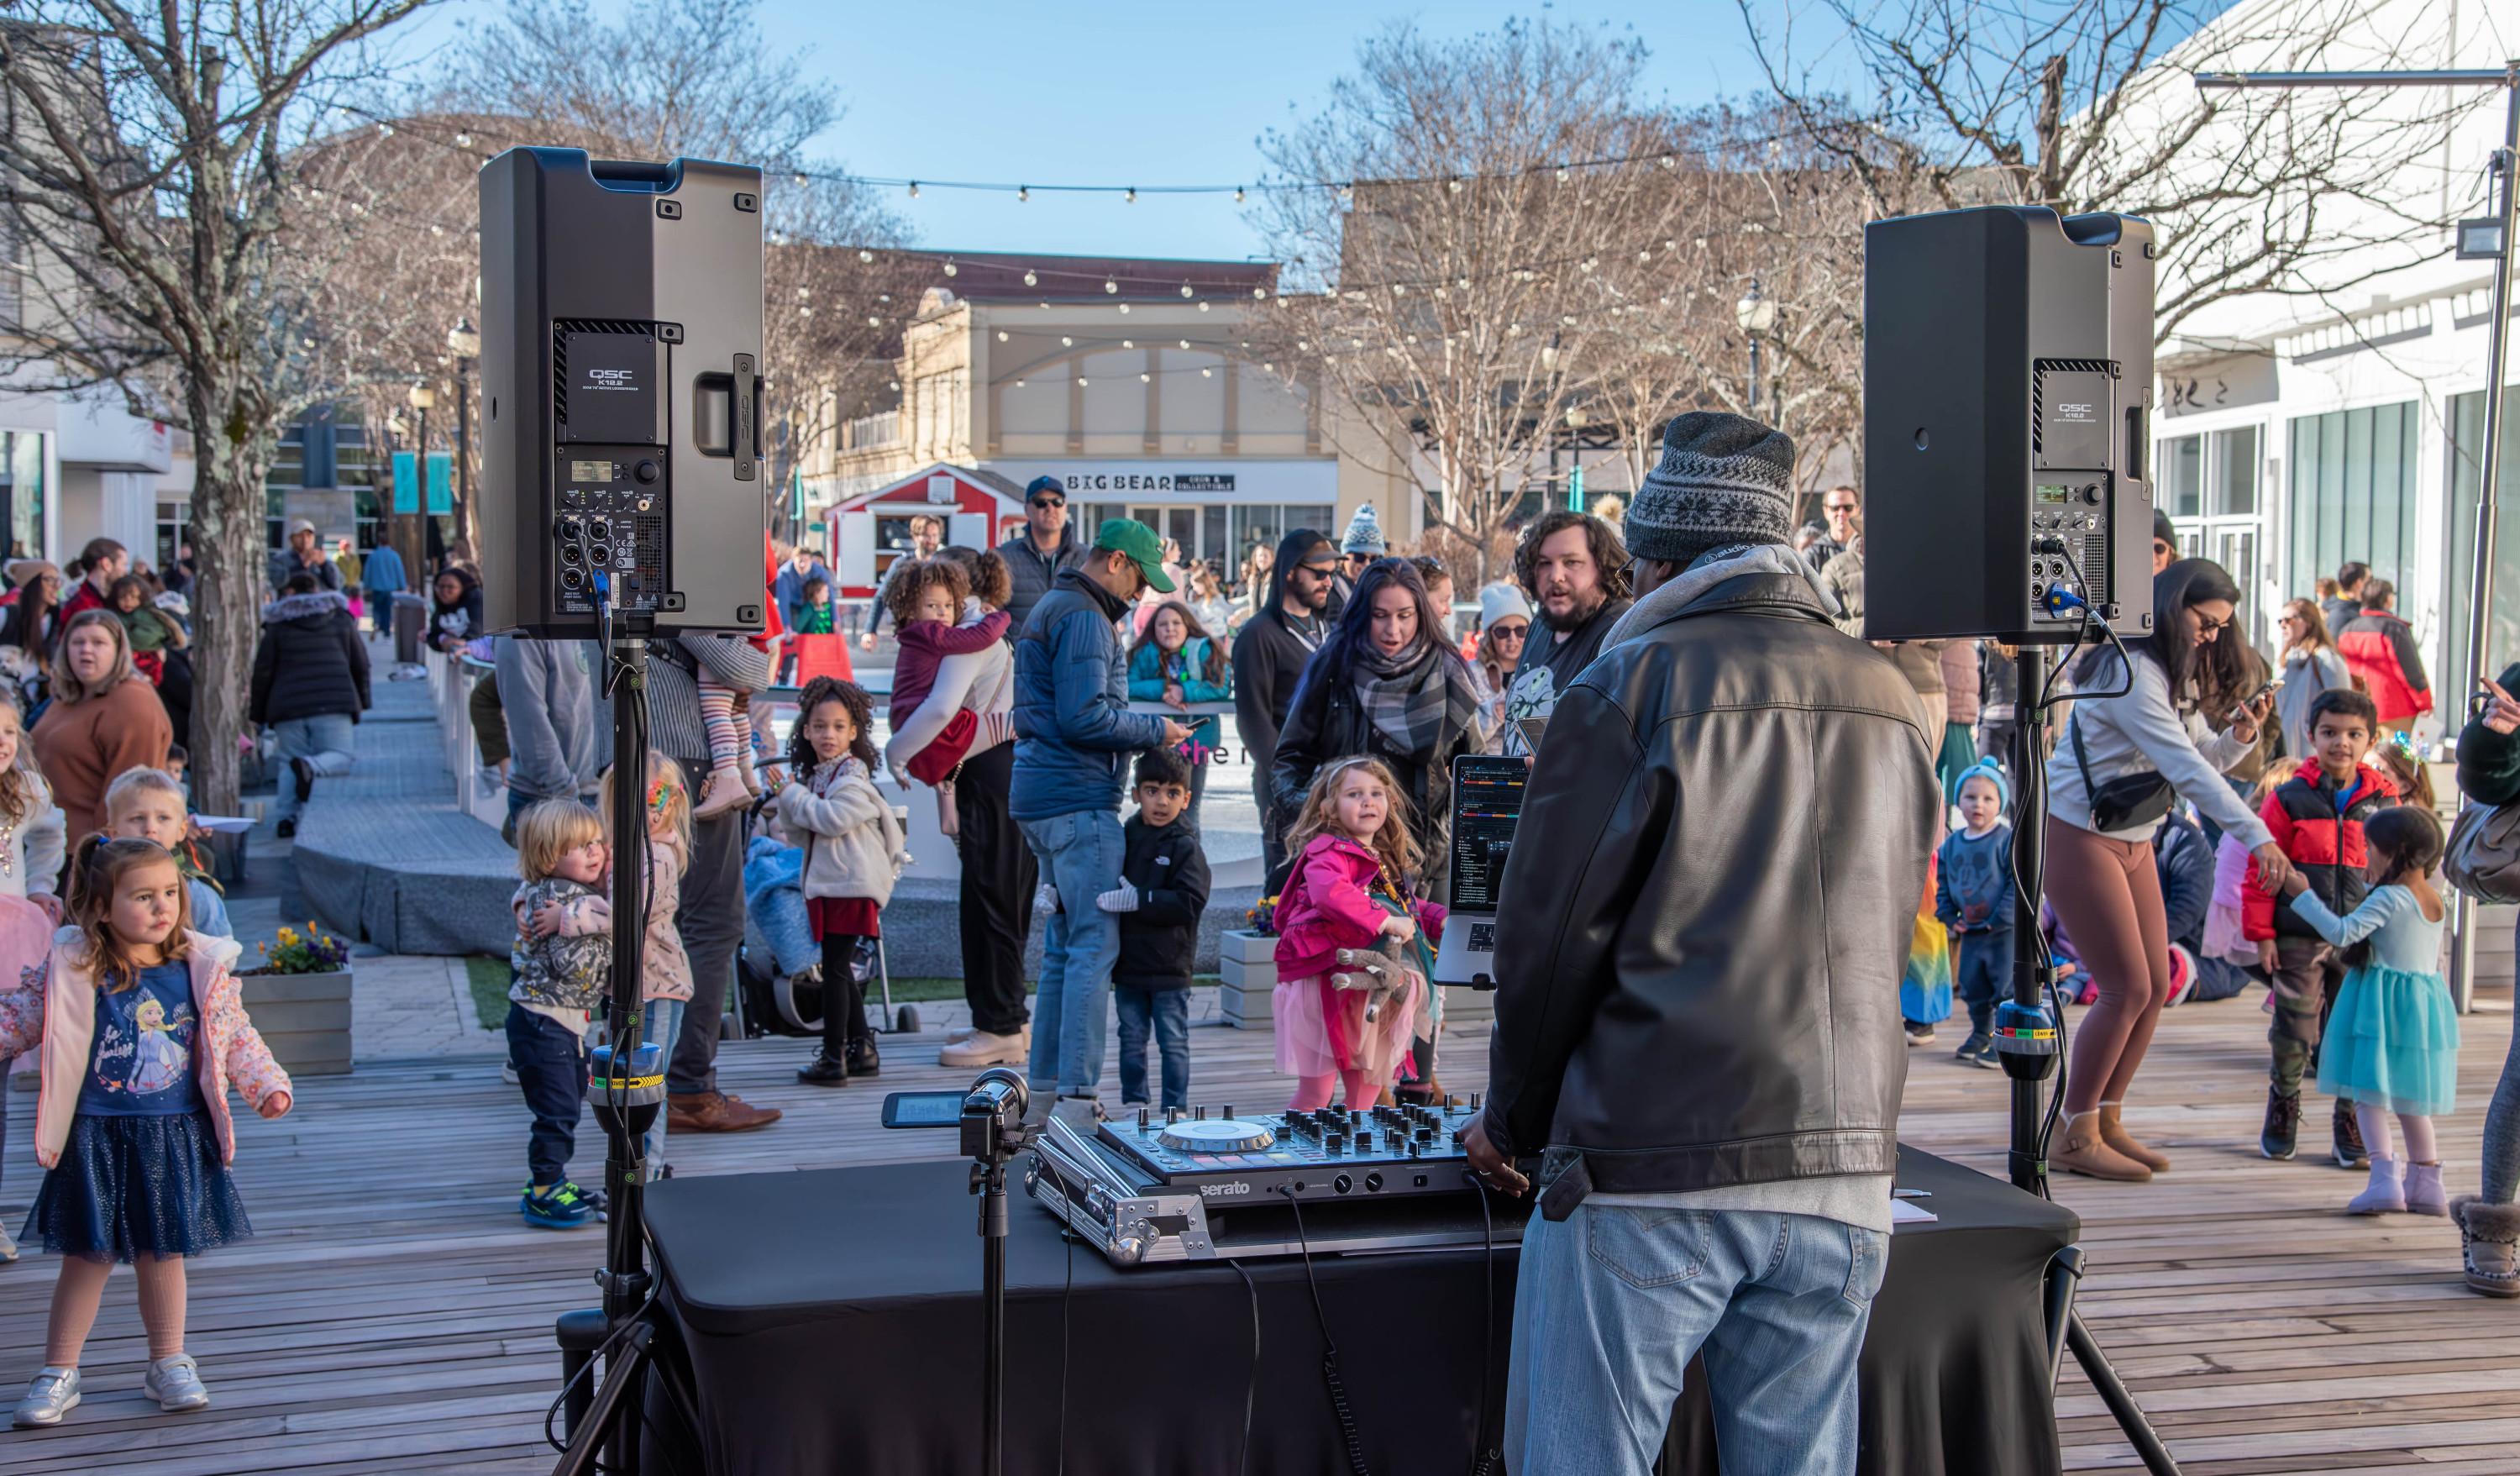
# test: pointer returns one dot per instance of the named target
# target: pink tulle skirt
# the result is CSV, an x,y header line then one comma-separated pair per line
x,y
1305,1046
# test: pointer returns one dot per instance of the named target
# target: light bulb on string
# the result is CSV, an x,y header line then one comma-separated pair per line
x,y
913,189
463,141
1030,280
1260,293
1184,343
1080,381
1024,194
1452,184
1019,383
800,179
951,270
1110,285
1186,292
1002,336
864,255
1124,309
1562,176
1146,378
1203,306
1237,195
1131,196
1128,343
1208,373
1065,342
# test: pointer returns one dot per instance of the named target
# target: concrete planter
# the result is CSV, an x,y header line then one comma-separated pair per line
x,y
1247,967
304,1019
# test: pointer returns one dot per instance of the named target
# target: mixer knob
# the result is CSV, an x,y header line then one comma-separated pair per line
x,y
1294,1121
1474,1101
1198,1114
1142,1119
1226,1111
1364,1138
1172,1114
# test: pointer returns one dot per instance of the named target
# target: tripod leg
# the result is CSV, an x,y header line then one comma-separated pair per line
x,y
2113,1393
611,1420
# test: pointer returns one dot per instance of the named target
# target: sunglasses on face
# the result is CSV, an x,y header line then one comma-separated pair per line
x,y
1050,501
1316,570
1841,506
1509,632
2209,628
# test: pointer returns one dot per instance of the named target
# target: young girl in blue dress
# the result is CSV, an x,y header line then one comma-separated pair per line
x,y
137,1023
2392,1044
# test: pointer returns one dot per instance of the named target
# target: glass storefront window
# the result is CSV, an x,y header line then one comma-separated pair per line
x,y
2352,494
23,491
2467,471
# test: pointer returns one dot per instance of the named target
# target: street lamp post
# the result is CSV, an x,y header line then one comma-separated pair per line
x,y
466,341
422,398
1756,314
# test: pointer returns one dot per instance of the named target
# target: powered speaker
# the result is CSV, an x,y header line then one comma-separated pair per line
x,y
2008,377
621,395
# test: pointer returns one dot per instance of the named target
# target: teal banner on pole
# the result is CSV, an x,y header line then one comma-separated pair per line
x,y
441,481
406,482
796,494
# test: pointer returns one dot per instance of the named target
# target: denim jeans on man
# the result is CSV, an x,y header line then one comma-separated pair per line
x,y
1614,1301
1080,856
551,1067
324,741
1167,1012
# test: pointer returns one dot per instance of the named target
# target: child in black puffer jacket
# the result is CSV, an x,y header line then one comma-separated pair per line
x,y
1163,889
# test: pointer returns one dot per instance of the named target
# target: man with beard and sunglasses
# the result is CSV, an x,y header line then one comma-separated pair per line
x,y
1576,573
1270,652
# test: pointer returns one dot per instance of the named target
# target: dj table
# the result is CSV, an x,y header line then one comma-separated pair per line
x,y
830,1322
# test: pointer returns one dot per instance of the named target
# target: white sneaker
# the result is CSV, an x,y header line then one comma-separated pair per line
x,y
53,1393
8,1246
175,1382
981,1048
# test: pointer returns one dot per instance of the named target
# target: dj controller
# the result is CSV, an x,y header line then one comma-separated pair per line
x,y
1192,1186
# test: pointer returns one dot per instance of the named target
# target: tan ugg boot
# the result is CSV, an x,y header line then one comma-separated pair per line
x,y
2488,1237
2083,1152
2120,1138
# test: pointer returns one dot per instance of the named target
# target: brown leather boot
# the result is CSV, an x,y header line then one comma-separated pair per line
x,y
2123,1142
2083,1152
716,1112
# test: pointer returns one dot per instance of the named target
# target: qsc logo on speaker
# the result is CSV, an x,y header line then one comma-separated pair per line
x,y
611,378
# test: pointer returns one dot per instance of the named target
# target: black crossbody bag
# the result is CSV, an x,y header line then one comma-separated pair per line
x,y
2126,802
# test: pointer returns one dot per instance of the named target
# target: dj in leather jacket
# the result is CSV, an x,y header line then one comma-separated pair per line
x,y
1714,887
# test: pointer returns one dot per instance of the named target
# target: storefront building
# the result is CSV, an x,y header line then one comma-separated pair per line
x,y
1139,400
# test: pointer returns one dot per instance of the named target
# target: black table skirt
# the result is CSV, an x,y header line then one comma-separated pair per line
x,y
830,1322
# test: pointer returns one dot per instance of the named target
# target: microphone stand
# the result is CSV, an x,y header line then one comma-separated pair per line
x,y
2028,1042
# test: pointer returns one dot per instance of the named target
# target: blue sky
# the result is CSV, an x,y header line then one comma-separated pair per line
x,y
1139,93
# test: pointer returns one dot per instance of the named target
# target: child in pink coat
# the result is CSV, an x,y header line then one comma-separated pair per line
x,y
1354,947
141,1033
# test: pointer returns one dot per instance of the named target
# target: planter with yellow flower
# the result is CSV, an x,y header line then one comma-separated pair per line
x,y
299,998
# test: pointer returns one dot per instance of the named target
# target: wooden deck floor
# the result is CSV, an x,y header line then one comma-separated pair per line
x,y
392,1315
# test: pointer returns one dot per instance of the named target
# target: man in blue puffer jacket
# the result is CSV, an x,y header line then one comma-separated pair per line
x,y
1075,739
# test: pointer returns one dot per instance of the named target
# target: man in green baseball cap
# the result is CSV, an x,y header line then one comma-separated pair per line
x,y
1127,535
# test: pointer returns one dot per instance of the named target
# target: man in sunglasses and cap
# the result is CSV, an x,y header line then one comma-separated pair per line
x,y
1035,556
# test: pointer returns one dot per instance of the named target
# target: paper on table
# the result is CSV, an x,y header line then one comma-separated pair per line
x,y
223,824
1905,1212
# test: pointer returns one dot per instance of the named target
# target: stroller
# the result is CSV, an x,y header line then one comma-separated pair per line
x,y
779,970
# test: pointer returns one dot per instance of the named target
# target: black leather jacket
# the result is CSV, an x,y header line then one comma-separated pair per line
x,y
1715,883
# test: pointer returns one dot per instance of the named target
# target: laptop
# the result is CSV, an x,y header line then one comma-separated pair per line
x,y
1487,805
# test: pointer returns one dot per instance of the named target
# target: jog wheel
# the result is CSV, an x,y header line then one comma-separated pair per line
x,y
1215,1134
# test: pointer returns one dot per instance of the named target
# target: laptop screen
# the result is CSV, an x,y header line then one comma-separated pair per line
x,y
1487,803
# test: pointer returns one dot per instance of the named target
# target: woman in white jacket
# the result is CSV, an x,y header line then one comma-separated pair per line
x,y
2135,737
998,873
33,847
853,854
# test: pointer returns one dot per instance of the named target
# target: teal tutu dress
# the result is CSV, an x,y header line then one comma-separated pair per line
x,y
2392,1040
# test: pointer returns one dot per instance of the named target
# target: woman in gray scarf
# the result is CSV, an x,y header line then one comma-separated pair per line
x,y
1385,683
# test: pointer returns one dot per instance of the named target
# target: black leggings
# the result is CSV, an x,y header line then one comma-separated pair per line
x,y
843,998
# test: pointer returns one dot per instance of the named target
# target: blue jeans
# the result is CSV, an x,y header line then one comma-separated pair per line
x,y
1613,1302
1983,974
325,741
1080,856
550,1068
1168,1011
660,1021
